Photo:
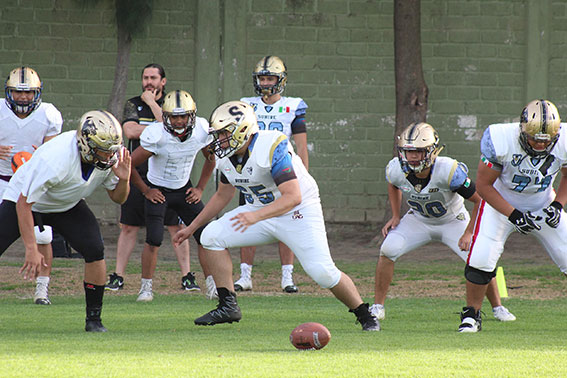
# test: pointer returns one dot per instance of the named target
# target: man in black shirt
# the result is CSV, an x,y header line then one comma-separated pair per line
x,y
139,112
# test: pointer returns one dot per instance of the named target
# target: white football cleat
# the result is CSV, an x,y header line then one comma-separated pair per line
x,y
378,311
146,294
243,284
501,313
41,297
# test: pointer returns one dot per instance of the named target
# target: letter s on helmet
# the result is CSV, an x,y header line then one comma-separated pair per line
x,y
231,123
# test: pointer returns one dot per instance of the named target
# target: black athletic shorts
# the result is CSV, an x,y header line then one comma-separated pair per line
x,y
132,211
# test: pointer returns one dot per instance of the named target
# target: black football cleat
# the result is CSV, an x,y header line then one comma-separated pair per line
x,y
226,312
94,326
363,316
471,321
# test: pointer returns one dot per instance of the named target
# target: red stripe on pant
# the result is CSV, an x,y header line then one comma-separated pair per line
x,y
476,227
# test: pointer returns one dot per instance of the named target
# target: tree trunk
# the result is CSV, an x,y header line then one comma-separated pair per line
x,y
411,89
117,96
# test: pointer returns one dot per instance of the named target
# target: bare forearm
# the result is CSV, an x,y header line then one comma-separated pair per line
x,y
26,223
211,209
120,193
495,199
279,207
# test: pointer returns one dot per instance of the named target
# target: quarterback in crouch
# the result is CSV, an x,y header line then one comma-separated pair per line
x,y
434,187
282,204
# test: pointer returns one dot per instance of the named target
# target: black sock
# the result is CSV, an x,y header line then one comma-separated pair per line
x,y
93,298
361,311
223,292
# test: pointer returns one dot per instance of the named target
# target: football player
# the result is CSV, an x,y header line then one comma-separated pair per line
x,y
50,189
282,204
26,123
519,162
285,114
139,112
434,189
171,148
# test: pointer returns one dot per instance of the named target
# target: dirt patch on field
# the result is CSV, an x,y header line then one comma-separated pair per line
x,y
348,242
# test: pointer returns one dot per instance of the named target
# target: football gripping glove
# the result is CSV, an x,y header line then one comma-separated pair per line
x,y
524,222
553,212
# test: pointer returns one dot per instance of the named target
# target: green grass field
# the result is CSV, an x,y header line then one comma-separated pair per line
x,y
418,339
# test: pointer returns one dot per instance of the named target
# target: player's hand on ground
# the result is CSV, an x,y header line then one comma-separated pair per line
x,y
524,222
193,195
553,214
465,241
123,166
244,220
391,224
181,235
149,96
32,265
155,196
5,152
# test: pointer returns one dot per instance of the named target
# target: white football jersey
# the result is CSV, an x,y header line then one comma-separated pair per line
x,y
255,180
522,177
437,202
277,116
53,179
172,160
22,134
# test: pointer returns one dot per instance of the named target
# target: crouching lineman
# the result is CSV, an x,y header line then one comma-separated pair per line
x,y
519,162
49,189
282,205
434,188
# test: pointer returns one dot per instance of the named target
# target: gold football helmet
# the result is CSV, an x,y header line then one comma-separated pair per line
x,y
231,125
419,136
99,137
539,123
179,103
23,79
270,66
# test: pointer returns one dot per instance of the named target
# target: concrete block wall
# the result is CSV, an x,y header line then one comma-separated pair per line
x,y
482,60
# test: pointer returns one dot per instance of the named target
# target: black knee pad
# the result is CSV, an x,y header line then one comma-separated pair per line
x,y
477,276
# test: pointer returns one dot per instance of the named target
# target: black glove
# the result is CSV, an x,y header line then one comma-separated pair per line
x,y
553,212
524,222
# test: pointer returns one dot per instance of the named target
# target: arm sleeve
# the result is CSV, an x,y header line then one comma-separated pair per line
x,y
130,112
282,167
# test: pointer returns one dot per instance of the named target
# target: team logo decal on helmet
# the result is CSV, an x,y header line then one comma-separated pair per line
x,y
179,103
99,137
539,123
420,137
270,66
23,79
231,125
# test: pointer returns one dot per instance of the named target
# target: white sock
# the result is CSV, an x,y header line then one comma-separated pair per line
x,y
245,270
43,280
287,268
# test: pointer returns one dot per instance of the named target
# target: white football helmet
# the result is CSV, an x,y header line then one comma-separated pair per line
x,y
178,103
231,125
23,79
99,137
419,136
539,122
270,66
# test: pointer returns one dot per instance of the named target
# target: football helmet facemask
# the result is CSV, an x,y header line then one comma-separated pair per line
x,y
539,122
99,137
179,103
420,137
270,66
23,79
231,125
